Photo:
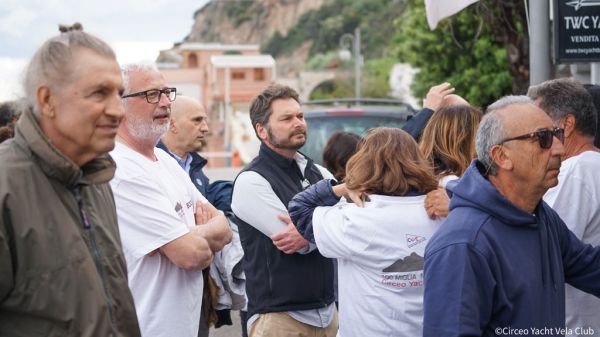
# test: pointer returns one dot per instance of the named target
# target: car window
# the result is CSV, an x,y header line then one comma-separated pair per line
x,y
320,129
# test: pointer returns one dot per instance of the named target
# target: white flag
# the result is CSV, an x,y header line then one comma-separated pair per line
x,y
440,9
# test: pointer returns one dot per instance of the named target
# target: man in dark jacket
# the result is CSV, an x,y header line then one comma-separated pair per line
x,y
289,284
62,269
499,263
184,138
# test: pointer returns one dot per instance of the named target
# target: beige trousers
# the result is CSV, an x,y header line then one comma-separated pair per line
x,y
280,324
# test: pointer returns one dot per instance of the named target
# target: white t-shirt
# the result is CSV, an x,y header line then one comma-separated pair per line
x,y
576,199
380,251
155,205
445,179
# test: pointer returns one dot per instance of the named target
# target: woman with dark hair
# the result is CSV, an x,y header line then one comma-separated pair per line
x,y
340,147
338,150
379,240
448,140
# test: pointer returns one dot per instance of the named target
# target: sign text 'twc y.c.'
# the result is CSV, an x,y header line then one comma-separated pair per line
x,y
577,30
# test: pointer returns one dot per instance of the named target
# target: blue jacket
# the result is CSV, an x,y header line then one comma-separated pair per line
x,y
417,123
198,162
493,267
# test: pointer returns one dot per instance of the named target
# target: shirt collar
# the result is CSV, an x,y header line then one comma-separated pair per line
x,y
184,163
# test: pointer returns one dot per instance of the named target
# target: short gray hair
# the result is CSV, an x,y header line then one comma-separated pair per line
x,y
52,63
564,96
491,129
132,67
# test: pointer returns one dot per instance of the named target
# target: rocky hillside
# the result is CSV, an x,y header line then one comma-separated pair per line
x,y
247,22
295,31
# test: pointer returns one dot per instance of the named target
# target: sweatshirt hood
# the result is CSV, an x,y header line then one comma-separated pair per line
x,y
476,191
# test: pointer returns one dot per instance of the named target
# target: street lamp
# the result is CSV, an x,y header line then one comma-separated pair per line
x,y
345,41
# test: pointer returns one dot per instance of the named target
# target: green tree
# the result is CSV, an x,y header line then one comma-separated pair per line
x,y
241,11
325,25
375,77
468,50
337,88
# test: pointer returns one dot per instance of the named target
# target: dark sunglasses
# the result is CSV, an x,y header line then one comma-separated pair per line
x,y
544,137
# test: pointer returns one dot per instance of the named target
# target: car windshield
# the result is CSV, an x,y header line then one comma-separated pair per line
x,y
321,128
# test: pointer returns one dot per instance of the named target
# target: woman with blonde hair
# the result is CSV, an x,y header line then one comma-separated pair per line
x,y
448,140
379,240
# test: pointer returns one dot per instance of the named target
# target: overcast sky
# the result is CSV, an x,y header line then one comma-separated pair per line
x,y
137,29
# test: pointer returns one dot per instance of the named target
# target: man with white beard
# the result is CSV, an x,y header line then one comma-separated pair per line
x,y
169,230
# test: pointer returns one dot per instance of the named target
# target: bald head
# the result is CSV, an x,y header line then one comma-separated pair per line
x,y
184,105
453,99
187,128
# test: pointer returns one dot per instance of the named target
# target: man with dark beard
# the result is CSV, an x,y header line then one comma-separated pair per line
x,y
169,230
289,284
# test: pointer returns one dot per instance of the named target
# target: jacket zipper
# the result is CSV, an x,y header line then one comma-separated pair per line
x,y
266,246
86,225
324,295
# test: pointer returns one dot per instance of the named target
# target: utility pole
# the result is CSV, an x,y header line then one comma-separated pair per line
x,y
540,65
345,41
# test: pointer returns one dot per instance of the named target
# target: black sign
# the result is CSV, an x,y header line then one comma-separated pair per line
x,y
576,30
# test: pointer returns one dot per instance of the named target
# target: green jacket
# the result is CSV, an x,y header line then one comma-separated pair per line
x,y
57,276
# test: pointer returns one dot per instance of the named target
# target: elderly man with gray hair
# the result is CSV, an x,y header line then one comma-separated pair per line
x,y
62,269
499,263
576,198
170,231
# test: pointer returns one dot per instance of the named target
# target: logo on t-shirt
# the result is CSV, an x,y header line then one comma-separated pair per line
x,y
179,210
413,262
412,240
404,273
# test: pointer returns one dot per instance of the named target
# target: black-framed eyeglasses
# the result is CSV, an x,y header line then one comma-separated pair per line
x,y
153,95
544,137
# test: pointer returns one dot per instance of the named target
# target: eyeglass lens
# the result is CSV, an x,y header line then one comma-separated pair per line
x,y
154,95
545,137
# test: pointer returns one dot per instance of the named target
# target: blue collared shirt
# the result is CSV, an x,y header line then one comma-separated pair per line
x,y
185,164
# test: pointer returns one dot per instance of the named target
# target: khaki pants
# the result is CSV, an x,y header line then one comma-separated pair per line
x,y
280,324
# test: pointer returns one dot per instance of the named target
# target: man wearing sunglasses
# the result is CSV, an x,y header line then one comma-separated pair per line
x,y
499,263
169,230
576,197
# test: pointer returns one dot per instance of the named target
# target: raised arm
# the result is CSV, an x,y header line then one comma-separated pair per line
x,y
432,102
